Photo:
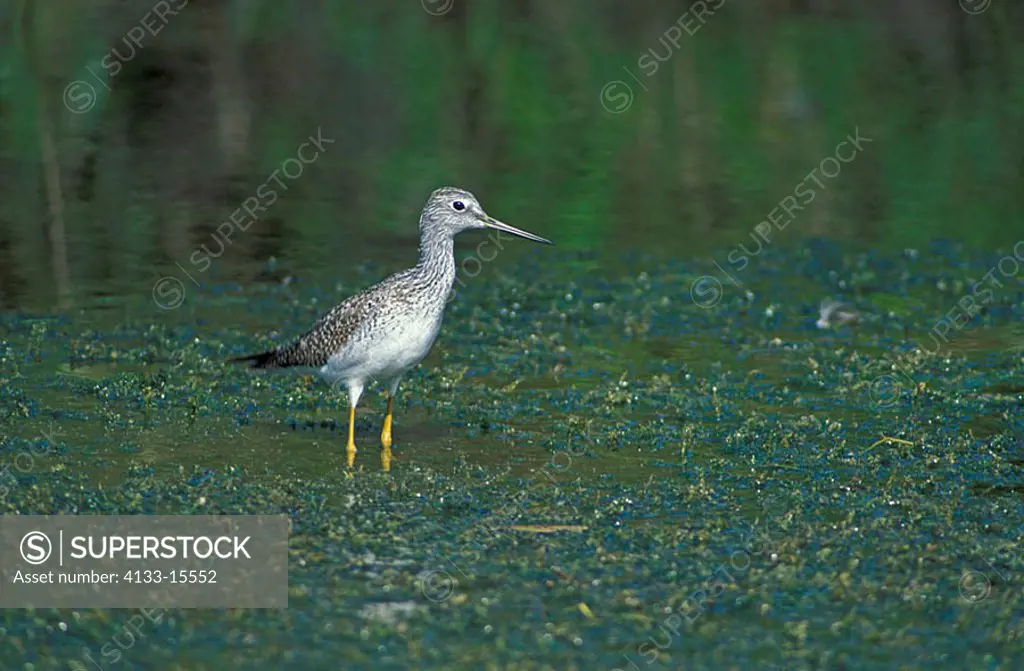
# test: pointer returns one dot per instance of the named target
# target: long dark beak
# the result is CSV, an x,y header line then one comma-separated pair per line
x,y
491,222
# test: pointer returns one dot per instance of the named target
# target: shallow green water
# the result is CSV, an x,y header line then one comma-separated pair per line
x,y
734,487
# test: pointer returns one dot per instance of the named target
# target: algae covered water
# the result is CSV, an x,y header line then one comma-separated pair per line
x,y
600,465
761,407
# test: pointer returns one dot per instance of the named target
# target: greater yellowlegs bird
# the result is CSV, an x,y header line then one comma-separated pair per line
x,y
383,332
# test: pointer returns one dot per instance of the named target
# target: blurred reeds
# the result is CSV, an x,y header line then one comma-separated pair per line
x,y
501,96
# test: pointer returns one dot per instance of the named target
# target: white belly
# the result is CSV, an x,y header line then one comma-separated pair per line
x,y
384,355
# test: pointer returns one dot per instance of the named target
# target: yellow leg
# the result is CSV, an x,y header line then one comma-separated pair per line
x,y
385,437
351,437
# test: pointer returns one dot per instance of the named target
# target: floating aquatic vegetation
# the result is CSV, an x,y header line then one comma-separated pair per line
x,y
587,468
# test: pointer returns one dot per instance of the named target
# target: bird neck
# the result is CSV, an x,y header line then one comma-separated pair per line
x,y
437,256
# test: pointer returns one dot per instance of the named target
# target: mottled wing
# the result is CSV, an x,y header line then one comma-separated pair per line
x,y
372,309
329,334
312,350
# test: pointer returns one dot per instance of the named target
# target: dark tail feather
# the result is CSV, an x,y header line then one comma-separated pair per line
x,y
266,359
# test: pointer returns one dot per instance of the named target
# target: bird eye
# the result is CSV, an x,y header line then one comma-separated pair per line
x,y
459,206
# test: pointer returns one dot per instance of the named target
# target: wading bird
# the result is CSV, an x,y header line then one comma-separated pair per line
x,y
383,332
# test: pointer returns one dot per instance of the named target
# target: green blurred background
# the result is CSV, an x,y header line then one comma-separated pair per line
x,y
502,97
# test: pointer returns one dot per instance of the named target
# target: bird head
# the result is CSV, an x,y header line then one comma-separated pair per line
x,y
452,210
